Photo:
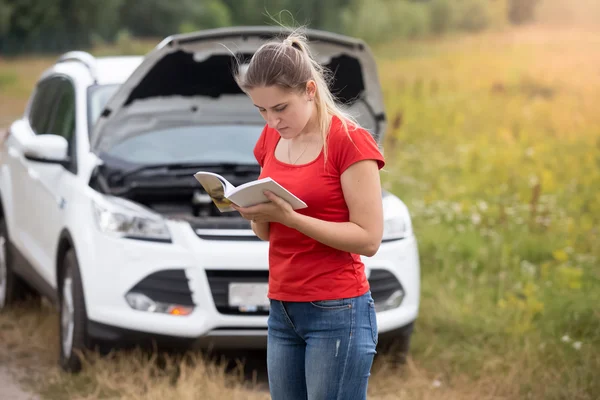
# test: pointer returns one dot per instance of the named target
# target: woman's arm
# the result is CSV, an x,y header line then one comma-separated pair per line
x,y
261,229
361,186
363,233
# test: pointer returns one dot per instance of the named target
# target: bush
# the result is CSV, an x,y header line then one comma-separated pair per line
x,y
441,16
411,19
473,15
498,13
522,11
466,15
382,20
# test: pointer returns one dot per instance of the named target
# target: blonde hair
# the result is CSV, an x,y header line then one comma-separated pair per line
x,y
290,65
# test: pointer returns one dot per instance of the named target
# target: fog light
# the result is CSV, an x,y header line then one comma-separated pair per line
x,y
393,301
141,302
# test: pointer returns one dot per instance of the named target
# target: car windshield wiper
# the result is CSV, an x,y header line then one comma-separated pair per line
x,y
170,168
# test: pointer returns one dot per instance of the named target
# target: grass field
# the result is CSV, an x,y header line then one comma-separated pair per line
x,y
494,144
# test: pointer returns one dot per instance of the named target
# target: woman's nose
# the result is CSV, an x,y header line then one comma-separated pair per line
x,y
272,120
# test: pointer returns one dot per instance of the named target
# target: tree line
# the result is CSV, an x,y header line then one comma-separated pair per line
x,y
50,26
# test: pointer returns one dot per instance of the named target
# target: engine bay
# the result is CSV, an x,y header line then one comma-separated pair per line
x,y
172,191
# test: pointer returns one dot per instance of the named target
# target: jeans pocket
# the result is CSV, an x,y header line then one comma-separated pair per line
x,y
336,304
373,321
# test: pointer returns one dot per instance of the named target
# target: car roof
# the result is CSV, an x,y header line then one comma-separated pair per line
x,y
104,70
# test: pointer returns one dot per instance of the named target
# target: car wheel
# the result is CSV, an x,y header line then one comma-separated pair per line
x,y
73,320
397,344
12,289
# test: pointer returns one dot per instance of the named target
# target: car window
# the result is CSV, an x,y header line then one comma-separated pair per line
x,y
229,143
43,105
98,96
63,121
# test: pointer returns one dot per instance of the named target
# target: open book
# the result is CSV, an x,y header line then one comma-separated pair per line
x,y
223,193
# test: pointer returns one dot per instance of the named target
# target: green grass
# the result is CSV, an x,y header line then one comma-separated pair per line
x,y
495,146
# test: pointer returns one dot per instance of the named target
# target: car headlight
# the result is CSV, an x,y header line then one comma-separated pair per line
x,y
122,218
396,218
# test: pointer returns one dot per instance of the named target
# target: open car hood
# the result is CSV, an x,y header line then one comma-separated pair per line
x,y
187,79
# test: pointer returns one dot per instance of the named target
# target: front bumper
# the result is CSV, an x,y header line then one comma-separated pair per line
x,y
204,268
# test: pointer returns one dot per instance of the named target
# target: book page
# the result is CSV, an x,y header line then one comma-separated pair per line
x,y
216,187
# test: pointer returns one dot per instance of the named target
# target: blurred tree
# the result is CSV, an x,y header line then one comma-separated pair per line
x,y
151,18
205,15
380,20
214,14
5,13
522,11
55,25
441,15
290,13
473,15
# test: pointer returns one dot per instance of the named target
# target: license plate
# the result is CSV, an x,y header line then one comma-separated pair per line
x,y
248,296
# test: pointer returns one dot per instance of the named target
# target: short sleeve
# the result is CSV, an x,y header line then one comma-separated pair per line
x,y
260,147
353,146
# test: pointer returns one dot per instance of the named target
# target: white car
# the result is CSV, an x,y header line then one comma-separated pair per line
x,y
101,214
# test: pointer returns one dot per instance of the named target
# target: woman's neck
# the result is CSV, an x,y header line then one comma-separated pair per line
x,y
311,131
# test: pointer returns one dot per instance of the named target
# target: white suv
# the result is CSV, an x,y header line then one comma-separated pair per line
x,y
101,214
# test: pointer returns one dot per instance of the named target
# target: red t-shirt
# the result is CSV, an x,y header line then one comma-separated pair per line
x,y
301,268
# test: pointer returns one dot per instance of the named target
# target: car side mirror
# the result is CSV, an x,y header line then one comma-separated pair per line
x,y
47,148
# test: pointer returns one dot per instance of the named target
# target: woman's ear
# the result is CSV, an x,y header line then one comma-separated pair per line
x,y
311,89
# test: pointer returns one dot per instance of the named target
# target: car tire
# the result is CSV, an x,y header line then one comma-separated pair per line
x,y
73,321
397,344
13,290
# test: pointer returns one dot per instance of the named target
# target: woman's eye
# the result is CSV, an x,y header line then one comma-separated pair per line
x,y
280,109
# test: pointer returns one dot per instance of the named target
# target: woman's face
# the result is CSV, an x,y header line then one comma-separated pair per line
x,y
289,112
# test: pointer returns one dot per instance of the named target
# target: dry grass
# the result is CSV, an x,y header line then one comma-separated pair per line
x,y
29,342
17,79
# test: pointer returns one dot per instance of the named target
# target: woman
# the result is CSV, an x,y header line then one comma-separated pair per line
x,y
322,329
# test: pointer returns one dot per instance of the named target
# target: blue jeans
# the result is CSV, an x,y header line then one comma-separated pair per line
x,y
321,350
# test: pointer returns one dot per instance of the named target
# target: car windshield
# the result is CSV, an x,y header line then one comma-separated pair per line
x,y
190,144
197,144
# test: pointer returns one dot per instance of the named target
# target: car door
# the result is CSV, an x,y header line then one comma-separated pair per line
x,y
22,183
52,183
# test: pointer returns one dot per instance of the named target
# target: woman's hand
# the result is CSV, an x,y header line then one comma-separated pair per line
x,y
277,210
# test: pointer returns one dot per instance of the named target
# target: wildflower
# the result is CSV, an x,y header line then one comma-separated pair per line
x,y
528,268
475,218
560,255
482,205
436,383
456,207
566,339
533,180
577,345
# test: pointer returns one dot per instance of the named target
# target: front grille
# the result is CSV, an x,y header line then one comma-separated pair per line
x,y
226,221
383,284
227,234
219,286
224,228
167,286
